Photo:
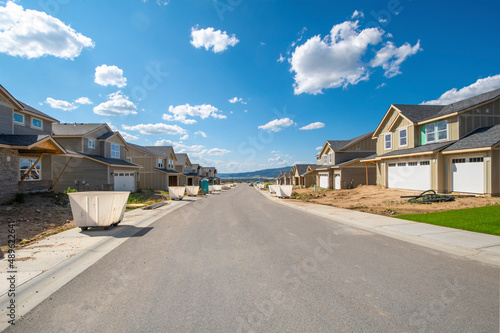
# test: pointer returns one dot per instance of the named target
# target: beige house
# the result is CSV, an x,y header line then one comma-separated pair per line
x,y
300,176
210,173
158,164
26,148
169,159
446,148
98,161
189,177
339,163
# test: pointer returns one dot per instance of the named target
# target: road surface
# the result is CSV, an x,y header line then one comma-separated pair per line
x,y
237,262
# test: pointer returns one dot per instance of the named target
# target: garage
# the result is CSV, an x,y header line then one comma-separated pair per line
x,y
467,175
337,182
409,175
125,181
323,181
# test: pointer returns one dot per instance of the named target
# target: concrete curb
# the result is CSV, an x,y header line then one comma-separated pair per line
x,y
54,273
466,244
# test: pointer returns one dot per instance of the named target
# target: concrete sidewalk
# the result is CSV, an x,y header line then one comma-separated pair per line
x,y
467,244
45,266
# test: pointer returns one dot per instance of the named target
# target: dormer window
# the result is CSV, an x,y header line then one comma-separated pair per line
x,y
92,144
403,137
18,118
160,163
36,123
115,151
436,132
388,141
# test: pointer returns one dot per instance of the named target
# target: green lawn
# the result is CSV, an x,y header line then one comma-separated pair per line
x,y
483,219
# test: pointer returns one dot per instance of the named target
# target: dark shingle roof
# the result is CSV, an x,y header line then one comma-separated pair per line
x,y
74,129
106,136
141,148
112,161
160,150
418,113
168,171
35,111
420,149
302,168
482,137
21,140
338,145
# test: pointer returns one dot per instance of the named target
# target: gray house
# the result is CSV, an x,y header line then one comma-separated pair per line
x,y
98,160
26,147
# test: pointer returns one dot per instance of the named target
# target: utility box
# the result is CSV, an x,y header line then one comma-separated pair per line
x,y
204,186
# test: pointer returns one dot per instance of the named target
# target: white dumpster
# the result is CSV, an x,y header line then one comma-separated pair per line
x,y
272,189
210,188
217,188
225,187
285,191
98,208
176,192
192,190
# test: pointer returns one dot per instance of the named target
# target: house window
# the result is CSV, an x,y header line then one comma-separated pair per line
x,y
324,159
18,118
25,164
412,163
92,144
436,131
36,123
388,141
330,158
425,163
160,163
476,159
115,151
403,137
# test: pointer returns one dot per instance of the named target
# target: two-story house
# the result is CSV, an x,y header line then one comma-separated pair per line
x,y
339,163
166,160
300,176
158,164
210,173
446,148
184,167
98,161
26,147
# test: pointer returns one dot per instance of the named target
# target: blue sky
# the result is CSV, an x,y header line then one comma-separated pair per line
x,y
239,84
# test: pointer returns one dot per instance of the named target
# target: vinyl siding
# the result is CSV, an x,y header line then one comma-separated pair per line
x,y
6,115
73,144
487,115
80,169
149,176
26,129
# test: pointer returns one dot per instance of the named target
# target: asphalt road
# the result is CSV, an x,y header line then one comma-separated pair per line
x,y
237,262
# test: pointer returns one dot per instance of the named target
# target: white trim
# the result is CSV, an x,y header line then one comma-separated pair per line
x,y
35,127
16,122
385,146
399,136
111,151
93,144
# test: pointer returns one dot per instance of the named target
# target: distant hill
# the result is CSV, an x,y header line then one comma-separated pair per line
x,y
261,174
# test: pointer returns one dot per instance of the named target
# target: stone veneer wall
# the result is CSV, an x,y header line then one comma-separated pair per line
x,y
9,168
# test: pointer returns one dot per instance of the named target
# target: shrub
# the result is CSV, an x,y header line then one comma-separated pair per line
x,y
70,190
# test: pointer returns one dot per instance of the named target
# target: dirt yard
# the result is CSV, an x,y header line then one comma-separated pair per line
x,y
39,216
379,200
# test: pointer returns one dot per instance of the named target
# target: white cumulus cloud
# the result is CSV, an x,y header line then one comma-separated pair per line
x,y
185,137
319,148
312,126
116,105
156,129
391,57
59,104
128,136
357,14
203,134
339,59
110,76
236,100
181,112
479,87
277,124
208,38
83,100
217,151
33,34
194,151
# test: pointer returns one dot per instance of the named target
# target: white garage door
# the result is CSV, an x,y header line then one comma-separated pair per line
x,y
337,182
323,181
467,175
124,181
409,175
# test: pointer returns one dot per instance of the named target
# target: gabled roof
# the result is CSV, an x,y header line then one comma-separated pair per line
x,y
418,113
107,135
170,171
29,142
340,145
141,148
482,137
163,151
182,159
36,112
302,168
75,129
